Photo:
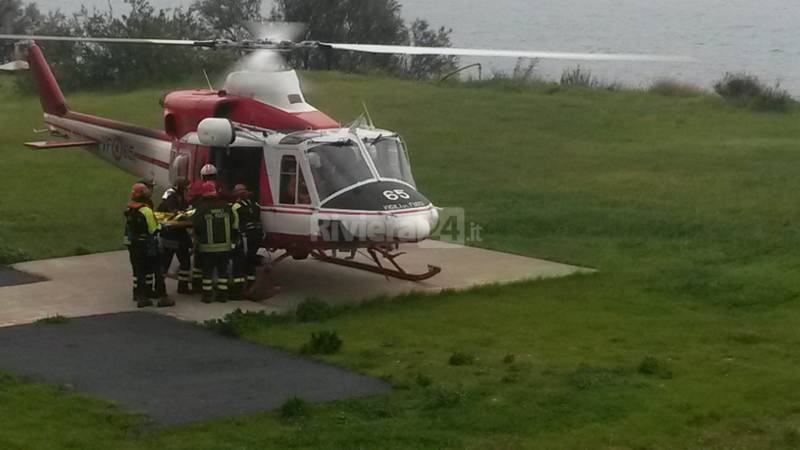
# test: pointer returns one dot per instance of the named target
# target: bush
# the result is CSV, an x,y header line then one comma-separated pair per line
x,y
444,398
9,255
293,409
462,359
423,380
749,91
654,368
577,77
323,343
240,322
674,88
583,78
52,320
314,310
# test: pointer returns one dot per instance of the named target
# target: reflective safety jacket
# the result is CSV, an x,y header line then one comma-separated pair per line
x,y
140,225
249,215
215,225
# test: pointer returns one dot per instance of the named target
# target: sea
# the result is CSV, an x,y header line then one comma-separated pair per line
x,y
758,37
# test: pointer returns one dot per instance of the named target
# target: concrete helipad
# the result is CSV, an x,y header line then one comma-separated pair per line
x,y
100,284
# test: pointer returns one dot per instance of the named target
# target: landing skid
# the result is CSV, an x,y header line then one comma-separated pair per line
x,y
377,254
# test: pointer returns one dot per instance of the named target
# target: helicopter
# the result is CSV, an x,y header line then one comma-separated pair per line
x,y
323,188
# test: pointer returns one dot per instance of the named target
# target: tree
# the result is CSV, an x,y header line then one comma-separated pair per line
x,y
362,21
428,65
15,19
229,18
89,65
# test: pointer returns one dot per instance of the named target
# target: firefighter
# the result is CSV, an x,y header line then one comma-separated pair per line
x,y
177,241
207,173
140,238
245,255
215,226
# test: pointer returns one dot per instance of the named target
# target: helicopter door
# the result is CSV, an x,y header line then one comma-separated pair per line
x,y
239,165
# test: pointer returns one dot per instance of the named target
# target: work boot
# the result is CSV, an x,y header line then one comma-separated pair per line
x,y
165,302
184,288
208,296
143,302
222,296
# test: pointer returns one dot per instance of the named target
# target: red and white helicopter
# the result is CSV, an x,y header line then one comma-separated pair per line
x,y
322,187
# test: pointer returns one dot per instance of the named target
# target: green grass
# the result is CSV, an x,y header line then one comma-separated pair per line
x,y
686,338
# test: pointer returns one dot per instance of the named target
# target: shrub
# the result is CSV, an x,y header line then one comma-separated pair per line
x,y
586,377
444,398
241,322
314,310
53,320
323,343
577,77
9,255
653,367
583,78
461,359
674,88
749,91
423,380
293,409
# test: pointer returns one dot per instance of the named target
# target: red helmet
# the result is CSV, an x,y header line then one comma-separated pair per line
x,y
209,189
241,191
140,192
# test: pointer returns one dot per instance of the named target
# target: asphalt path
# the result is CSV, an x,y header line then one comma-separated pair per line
x,y
11,277
173,371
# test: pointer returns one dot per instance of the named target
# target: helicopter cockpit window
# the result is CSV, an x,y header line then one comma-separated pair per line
x,y
294,190
337,166
391,159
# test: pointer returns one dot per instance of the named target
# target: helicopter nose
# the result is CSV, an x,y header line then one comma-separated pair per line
x,y
409,229
394,228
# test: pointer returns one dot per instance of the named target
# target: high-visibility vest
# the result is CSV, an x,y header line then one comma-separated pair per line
x,y
249,215
214,224
140,225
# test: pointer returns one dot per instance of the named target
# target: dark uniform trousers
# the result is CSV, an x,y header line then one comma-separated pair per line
x,y
178,243
253,240
211,262
141,264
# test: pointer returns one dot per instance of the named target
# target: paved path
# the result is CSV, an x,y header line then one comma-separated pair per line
x,y
100,284
173,371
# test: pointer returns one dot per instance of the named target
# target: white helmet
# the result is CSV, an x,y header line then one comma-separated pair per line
x,y
208,169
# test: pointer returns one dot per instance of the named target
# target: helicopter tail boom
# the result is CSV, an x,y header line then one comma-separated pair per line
x,y
50,95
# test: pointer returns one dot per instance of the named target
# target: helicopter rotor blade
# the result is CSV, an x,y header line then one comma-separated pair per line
x,y
289,30
449,51
100,40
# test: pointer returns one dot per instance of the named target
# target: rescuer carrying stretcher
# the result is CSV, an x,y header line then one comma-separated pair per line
x,y
245,254
176,241
216,229
141,238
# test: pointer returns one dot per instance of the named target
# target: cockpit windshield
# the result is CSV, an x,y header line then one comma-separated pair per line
x,y
390,158
337,166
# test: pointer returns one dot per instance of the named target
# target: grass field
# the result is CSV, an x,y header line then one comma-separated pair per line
x,y
686,338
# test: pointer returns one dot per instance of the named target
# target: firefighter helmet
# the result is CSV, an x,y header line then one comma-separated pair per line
x,y
140,192
209,170
241,191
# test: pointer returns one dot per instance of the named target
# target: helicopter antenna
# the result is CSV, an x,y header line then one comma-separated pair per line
x,y
367,115
205,74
